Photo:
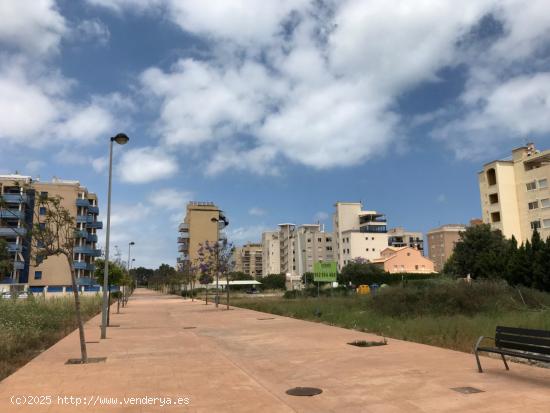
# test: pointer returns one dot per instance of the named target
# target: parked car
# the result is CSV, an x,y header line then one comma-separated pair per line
x,y
252,291
6,295
23,295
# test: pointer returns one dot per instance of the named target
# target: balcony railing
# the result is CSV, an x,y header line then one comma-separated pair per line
x,y
183,227
87,236
93,210
183,238
19,265
81,265
183,248
13,247
87,251
15,198
96,225
11,213
82,202
12,232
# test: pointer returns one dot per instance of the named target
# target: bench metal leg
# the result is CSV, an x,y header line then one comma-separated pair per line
x,y
477,355
504,360
478,363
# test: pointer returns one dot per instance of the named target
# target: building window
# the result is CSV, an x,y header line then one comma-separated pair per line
x,y
319,239
533,205
546,223
366,249
493,198
535,224
42,226
495,217
43,195
545,203
42,211
491,176
543,183
531,186
38,275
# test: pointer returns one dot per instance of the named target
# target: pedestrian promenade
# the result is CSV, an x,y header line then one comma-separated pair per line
x,y
214,360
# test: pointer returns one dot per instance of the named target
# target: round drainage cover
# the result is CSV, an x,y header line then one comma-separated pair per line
x,y
304,391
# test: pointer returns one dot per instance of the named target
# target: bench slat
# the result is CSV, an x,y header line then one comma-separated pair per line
x,y
534,341
523,331
524,347
538,357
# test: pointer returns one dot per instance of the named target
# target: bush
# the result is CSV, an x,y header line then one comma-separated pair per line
x,y
273,282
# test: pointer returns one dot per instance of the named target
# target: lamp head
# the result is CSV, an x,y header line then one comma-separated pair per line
x,y
213,219
121,139
132,243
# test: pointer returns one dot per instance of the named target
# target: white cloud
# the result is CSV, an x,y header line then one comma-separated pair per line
x,y
170,199
257,212
321,216
123,214
317,83
100,164
146,164
92,30
246,233
34,26
441,198
34,166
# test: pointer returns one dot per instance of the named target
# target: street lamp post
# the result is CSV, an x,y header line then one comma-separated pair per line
x,y
121,139
125,293
217,220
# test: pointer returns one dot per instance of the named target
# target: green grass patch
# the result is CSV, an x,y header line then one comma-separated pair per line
x,y
447,314
30,326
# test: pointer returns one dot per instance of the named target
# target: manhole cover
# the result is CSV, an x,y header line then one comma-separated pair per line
x,y
364,343
467,390
304,391
189,328
90,360
267,318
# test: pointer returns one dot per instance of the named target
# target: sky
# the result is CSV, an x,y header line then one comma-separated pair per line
x,y
274,110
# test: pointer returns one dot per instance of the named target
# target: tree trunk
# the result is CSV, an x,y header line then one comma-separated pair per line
x,y
83,350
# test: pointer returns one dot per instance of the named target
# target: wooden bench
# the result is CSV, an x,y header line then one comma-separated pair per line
x,y
517,342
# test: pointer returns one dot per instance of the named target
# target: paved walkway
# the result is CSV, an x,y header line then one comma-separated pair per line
x,y
244,361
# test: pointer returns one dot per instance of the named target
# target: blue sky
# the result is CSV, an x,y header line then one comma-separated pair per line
x,y
272,109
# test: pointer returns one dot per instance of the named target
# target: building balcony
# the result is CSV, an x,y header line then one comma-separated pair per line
x,y
15,198
183,227
88,251
183,259
183,238
81,265
183,248
82,202
19,265
12,232
93,210
13,247
81,219
86,235
12,213
96,225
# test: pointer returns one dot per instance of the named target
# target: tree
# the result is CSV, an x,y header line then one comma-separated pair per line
x,y
116,272
216,258
481,253
142,275
238,275
359,271
6,262
274,282
54,234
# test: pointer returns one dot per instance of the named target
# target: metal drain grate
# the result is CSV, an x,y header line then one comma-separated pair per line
x,y
113,325
90,360
266,318
364,343
467,390
304,391
189,328
92,342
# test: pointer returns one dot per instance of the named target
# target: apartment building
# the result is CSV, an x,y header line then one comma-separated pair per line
x,y
287,249
441,243
271,253
358,233
399,237
515,193
248,259
21,210
312,244
203,221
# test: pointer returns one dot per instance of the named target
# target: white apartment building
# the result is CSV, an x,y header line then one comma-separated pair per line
x,y
312,244
271,253
515,193
358,233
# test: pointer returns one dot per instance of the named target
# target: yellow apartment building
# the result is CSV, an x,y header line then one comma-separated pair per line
x,y
515,193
